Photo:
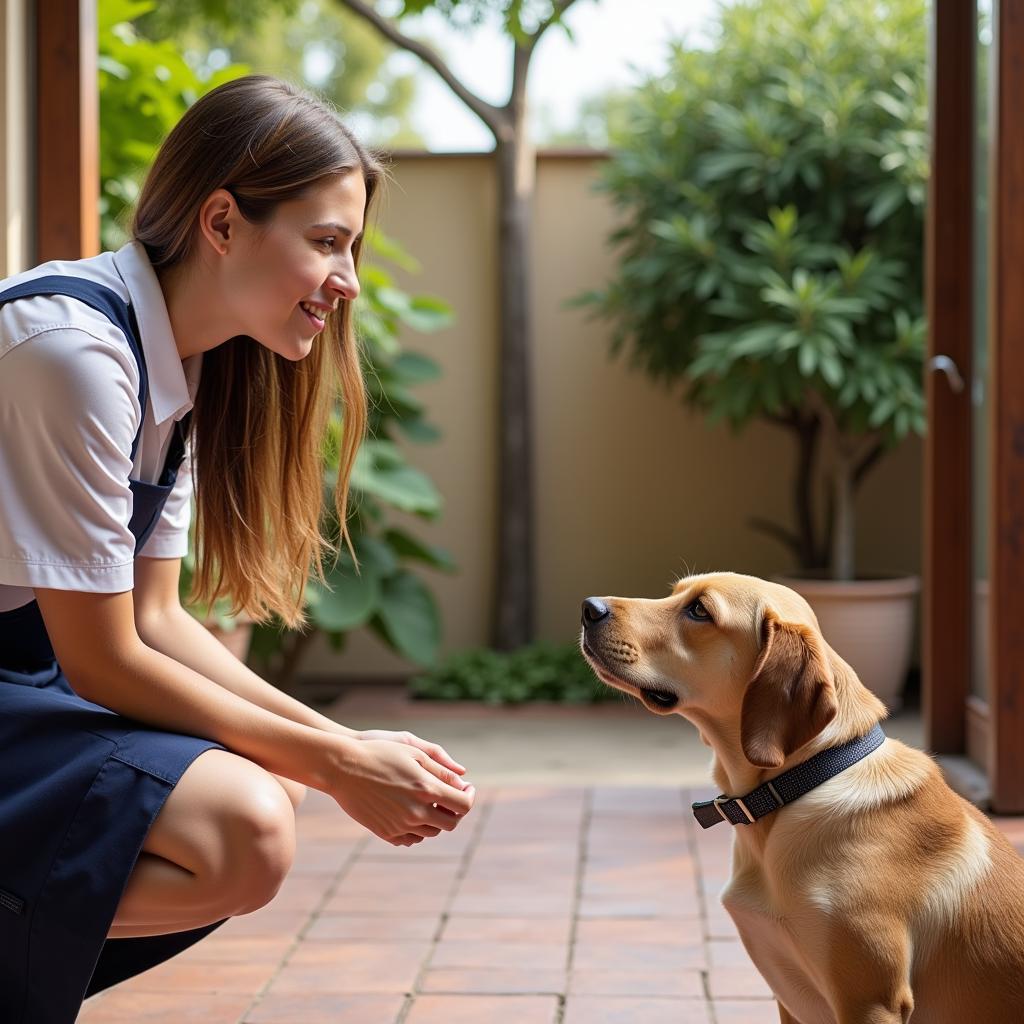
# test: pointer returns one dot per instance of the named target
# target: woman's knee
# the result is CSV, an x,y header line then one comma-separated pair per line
x,y
230,823
296,790
261,839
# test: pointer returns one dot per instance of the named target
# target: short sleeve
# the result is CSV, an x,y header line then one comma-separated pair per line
x,y
169,539
69,413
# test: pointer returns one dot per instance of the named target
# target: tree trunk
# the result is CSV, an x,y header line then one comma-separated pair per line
x,y
842,562
514,619
808,431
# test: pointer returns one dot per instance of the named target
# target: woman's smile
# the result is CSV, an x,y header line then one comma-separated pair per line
x,y
315,322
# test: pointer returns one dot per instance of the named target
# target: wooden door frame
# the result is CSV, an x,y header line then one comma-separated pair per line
x,y
947,601
1006,412
66,130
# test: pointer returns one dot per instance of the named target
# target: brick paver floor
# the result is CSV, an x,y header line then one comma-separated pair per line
x,y
548,905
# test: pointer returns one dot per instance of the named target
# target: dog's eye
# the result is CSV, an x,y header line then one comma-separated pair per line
x,y
696,610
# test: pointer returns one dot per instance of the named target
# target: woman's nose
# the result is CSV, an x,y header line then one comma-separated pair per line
x,y
346,288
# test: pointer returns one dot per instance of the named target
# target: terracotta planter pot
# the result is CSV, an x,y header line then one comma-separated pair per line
x,y
236,640
869,624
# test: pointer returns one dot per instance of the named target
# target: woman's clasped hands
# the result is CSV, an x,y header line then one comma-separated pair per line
x,y
401,788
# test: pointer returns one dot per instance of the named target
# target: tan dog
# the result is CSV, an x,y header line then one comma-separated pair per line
x,y
877,895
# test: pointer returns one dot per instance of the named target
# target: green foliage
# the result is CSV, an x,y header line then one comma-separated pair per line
x,y
145,89
539,672
519,18
772,191
316,43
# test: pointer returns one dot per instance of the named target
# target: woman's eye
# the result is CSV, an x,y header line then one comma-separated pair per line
x,y
697,611
327,243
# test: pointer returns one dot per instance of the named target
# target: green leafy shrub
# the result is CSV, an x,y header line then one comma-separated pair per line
x,y
770,260
538,672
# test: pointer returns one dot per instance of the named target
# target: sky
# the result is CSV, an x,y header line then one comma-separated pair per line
x,y
615,44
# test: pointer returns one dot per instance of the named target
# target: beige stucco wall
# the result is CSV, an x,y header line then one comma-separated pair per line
x,y
632,488
14,138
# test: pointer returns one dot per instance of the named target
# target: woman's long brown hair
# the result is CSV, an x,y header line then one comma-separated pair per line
x,y
259,420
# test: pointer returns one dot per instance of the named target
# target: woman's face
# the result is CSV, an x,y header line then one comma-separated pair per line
x,y
291,273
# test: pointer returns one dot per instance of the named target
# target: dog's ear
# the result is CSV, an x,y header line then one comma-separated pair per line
x,y
791,696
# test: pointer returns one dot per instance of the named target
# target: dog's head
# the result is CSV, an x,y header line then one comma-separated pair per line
x,y
723,647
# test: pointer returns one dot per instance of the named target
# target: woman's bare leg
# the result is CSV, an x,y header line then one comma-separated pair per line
x,y
222,844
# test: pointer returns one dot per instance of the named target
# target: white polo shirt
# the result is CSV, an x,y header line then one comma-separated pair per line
x,y
69,412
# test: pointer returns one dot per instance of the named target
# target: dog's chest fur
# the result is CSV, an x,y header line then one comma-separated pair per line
x,y
769,939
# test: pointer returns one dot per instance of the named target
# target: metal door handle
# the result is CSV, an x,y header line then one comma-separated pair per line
x,y
946,365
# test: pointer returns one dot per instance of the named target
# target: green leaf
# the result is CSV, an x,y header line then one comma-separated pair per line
x,y
409,617
381,472
347,600
807,359
405,545
418,430
413,368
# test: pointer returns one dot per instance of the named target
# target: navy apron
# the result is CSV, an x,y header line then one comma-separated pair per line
x,y
80,785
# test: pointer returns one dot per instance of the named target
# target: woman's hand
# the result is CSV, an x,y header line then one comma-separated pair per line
x,y
436,751
399,791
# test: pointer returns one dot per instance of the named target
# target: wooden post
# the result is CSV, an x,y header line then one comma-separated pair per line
x,y
948,572
1007,413
67,130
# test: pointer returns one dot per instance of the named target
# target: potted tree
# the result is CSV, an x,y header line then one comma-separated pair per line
x,y
770,261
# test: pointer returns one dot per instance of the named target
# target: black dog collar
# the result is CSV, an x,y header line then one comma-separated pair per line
x,y
784,789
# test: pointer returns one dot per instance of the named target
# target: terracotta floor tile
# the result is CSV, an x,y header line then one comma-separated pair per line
x,y
322,857
726,953
271,924
746,1011
661,931
593,1010
352,967
328,825
671,905
733,982
301,892
507,929
676,983
508,906
637,800
374,927
510,982
427,903
194,976
625,956
467,1009
326,1008
500,955
218,949
122,1007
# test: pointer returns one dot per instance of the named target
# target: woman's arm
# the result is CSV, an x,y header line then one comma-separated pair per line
x,y
387,787
166,627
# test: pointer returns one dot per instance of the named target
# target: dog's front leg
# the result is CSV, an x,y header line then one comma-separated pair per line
x,y
785,1017
876,1015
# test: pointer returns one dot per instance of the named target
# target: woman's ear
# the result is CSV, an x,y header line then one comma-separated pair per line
x,y
791,696
215,219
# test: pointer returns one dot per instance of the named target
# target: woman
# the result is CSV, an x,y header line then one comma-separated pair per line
x,y
147,779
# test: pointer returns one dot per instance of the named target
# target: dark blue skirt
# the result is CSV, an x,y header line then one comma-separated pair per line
x,y
80,787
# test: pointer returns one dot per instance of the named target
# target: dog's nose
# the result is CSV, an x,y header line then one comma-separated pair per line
x,y
594,610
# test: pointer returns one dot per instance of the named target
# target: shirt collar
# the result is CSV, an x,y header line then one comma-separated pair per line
x,y
172,385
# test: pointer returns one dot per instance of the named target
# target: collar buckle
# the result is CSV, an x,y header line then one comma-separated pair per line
x,y
738,801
